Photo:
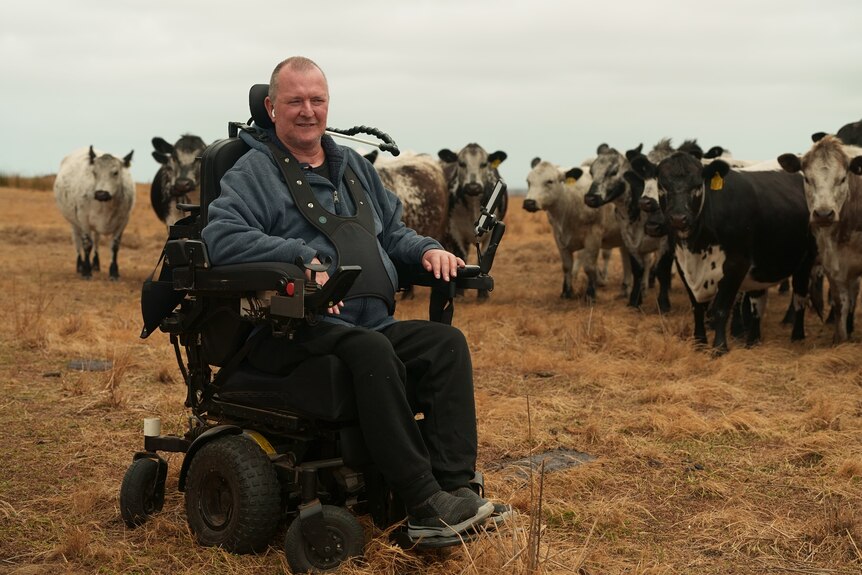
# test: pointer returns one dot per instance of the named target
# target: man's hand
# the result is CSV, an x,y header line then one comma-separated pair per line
x,y
321,278
442,264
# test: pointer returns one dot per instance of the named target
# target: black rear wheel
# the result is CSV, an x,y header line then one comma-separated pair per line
x,y
344,539
233,498
142,493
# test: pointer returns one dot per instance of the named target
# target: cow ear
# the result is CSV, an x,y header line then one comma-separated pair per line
x,y
371,156
535,162
642,166
497,158
92,154
162,146
817,136
713,152
856,165
127,160
602,148
574,175
447,155
790,163
161,157
634,151
715,172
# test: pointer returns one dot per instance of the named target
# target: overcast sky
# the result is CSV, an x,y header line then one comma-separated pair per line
x,y
549,78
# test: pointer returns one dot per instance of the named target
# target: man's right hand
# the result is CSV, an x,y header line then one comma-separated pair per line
x,y
321,278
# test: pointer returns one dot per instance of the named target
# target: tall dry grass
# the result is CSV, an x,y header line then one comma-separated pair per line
x,y
749,463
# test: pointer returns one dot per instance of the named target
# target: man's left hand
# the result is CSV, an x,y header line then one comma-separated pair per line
x,y
442,264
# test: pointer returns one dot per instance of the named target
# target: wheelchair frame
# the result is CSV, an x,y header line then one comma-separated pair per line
x,y
320,464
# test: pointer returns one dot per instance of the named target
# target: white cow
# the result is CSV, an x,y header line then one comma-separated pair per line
x,y
578,229
95,193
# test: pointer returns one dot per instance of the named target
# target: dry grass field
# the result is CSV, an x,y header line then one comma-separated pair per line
x,y
750,463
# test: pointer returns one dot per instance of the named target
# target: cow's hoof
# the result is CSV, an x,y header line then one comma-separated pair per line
x,y
567,295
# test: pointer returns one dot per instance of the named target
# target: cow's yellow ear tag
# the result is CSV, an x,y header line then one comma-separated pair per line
x,y
717,182
571,180
495,164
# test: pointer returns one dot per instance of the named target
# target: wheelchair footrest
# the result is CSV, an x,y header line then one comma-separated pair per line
x,y
400,537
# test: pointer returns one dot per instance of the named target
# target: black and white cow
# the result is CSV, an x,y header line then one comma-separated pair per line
x,y
95,192
470,175
832,178
178,179
615,183
851,134
736,231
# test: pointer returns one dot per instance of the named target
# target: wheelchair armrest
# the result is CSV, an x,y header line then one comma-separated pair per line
x,y
239,278
469,277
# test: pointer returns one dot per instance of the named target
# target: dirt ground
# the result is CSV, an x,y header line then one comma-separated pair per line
x,y
749,463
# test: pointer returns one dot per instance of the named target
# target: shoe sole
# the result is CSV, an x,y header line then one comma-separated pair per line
x,y
414,532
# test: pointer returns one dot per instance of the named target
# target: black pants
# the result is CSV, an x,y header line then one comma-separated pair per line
x,y
407,368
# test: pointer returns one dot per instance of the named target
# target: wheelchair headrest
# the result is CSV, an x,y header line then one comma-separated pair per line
x,y
256,95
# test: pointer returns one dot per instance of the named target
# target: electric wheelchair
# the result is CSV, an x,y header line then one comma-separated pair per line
x,y
260,448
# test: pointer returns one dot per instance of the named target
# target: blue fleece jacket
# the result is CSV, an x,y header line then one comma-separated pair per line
x,y
254,219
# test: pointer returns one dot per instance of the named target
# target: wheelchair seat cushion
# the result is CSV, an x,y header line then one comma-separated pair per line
x,y
319,388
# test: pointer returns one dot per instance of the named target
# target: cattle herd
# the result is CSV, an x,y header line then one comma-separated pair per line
x,y
731,228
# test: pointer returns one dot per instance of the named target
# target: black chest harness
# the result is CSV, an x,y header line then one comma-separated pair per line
x,y
354,237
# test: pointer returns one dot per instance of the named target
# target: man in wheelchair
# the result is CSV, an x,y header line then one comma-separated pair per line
x,y
322,398
398,368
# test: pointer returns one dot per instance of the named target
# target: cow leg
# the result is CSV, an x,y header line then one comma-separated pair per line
x,y
627,270
728,289
800,283
755,310
698,310
739,316
567,259
87,247
637,266
851,313
114,271
663,274
95,265
603,269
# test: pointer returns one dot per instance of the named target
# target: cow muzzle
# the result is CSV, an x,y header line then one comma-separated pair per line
x,y
102,196
472,189
823,217
648,205
679,222
593,200
531,206
182,187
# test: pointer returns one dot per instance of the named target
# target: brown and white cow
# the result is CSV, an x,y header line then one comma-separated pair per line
x,y
470,175
580,232
832,178
178,179
418,182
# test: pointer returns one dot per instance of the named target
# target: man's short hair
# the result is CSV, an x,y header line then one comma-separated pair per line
x,y
296,63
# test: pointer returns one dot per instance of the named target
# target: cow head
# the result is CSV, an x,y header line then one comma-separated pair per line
x,y
181,168
108,174
472,172
826,172
682,188
546,184
607,172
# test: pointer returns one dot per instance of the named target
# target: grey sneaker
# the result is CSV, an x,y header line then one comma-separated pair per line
x,y
499,511
445,515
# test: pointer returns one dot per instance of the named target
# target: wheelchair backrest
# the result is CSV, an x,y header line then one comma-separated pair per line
x,y
221,155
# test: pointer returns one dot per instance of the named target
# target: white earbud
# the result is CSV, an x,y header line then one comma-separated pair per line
x,y
273,113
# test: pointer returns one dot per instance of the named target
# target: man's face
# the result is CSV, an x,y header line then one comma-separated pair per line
x,y
300,108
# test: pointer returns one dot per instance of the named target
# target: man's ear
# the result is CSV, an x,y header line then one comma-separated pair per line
x,y
267,103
